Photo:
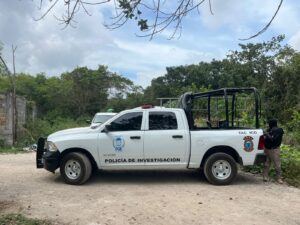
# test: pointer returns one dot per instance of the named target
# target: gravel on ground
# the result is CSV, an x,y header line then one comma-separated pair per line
x,y
143,197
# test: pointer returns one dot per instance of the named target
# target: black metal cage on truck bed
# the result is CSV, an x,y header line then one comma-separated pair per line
x,y
229,99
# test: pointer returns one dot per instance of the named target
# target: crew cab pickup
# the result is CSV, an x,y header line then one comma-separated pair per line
x,y
188,137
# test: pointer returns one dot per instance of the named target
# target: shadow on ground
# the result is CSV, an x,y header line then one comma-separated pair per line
x,y
156,177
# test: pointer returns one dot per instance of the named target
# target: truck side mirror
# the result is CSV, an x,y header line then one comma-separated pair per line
x,y
107,128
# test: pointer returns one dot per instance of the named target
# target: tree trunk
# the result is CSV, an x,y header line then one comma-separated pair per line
x,y
15,110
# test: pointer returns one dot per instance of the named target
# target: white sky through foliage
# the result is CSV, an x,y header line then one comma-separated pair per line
x,y
43,46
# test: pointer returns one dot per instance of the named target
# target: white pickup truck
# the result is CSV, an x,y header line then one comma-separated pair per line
x,y
160,138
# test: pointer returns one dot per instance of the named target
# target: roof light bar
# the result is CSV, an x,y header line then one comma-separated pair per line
x,y
147,106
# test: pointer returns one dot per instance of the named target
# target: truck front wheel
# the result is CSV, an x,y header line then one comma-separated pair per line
x,y
75,168
220,169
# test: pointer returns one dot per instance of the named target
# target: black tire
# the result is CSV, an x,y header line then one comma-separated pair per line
x,y
220,169
75,176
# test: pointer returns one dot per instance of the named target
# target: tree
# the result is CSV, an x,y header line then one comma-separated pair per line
x,y
2,66
152,17
283,93
269,66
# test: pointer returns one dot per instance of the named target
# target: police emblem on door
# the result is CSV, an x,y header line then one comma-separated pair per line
x,y
118,143
248,144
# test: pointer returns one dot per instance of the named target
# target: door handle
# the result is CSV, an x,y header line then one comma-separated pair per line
x,y
177,136
135,137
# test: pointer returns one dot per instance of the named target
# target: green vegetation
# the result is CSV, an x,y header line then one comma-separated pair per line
x,y
18,219
290,159
290,164
67,100
11,150
44,127
8,149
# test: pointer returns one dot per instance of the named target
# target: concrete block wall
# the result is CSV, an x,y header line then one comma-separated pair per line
x,y
6,112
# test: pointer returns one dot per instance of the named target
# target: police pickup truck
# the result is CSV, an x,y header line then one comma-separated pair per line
x,y
209,130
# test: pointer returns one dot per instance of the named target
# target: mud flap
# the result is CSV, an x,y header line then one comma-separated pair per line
x,y
260,159
40,152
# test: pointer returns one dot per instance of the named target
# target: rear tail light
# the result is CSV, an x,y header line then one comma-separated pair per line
x,y
261,143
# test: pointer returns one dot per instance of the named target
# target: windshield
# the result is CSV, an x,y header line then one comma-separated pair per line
x,y
101,118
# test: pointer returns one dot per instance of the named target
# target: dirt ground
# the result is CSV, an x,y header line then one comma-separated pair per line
x,y
143,197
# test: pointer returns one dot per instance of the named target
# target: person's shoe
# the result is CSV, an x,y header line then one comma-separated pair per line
x,y
279,181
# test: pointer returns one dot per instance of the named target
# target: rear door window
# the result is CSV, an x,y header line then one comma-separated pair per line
x,y
162,121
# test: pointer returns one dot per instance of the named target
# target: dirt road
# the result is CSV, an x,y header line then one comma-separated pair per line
x,y
136,197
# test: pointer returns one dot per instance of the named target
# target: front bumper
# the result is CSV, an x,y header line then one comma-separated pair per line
x,y
260,158
45,159
51,161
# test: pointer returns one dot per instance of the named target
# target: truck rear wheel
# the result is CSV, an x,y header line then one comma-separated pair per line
x,y
75,168
220,169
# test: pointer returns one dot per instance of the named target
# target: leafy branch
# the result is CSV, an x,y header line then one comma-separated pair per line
x,y
152,17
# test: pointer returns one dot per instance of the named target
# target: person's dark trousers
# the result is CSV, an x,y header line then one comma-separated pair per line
x,y
273,156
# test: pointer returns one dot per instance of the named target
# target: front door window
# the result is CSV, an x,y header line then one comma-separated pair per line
x,y
122,145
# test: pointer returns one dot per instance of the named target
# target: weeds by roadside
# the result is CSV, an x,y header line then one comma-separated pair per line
x,y
18,219
11,150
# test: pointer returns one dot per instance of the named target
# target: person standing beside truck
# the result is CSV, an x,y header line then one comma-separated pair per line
x,y
273,139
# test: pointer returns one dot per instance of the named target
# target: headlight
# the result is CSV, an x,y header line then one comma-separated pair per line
x,y
51,146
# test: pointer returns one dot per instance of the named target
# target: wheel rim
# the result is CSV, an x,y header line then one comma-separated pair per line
x,y
221,169
72,169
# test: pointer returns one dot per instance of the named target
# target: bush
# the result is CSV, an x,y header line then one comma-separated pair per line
x,y
44,127
290,160
293,129
41,128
